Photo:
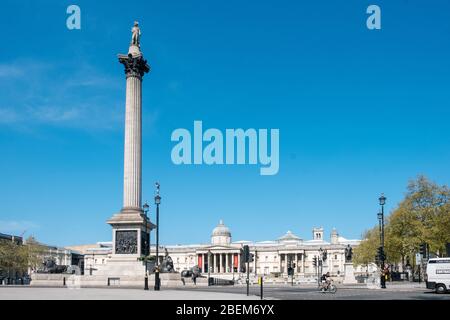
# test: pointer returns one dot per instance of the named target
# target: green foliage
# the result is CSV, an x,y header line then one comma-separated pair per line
x,y
19,257
365,253
422,216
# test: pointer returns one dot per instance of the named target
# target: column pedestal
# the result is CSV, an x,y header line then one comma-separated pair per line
x,y
349,275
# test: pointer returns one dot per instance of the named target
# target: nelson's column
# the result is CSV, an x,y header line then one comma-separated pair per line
x,y
130,226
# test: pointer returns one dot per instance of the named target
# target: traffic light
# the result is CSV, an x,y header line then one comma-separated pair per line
x,y
377,259
246,253
380,255
324,255
423,249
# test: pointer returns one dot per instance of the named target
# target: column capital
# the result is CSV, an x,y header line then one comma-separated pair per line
x,y
135,66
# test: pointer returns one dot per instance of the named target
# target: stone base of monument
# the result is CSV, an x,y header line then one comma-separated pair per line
x,y
48,279
168,280
120,266
349,274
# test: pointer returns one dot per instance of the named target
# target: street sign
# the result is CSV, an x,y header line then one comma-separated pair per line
x,y
418,258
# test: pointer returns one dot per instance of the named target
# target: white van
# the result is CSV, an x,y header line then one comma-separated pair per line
x,y
438,274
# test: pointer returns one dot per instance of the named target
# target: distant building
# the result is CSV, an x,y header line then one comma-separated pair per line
x,y
16,239
271,258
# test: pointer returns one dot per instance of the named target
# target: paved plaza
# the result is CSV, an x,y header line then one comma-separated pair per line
x,y
35,293
399,291
271,292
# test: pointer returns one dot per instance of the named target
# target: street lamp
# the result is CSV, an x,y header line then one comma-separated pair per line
x,y
157,202
146,207
380,215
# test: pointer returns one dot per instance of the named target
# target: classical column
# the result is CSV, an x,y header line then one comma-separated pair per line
x,y
239,263
227,263
204,262
213,270
130,226
135,68
280,263
254,262
303,262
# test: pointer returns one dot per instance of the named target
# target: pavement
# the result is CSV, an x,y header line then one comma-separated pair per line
x,y
394,291
34,293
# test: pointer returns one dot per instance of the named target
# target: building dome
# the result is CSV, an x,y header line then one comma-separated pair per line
x,y
221,234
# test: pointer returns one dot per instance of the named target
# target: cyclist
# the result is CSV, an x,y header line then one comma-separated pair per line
x,y
326,280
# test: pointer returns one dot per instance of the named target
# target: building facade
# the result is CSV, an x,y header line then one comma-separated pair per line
x,y
223,258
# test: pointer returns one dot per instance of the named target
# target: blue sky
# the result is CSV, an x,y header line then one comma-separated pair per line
x,y
360,112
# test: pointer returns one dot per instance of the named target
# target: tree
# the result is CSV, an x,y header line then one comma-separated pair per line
x,y
429,204
423,216
17,258
402,235
364,254
34,252
11,260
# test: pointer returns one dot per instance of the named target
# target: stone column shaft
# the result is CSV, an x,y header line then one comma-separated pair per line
x,y
227,263
133,145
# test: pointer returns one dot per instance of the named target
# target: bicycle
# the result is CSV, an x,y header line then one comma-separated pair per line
x,y
328,287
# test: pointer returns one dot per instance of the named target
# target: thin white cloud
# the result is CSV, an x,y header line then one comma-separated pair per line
x,y
78,96
50,114
10,71
17,227
8,115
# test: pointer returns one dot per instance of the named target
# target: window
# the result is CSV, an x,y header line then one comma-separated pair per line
x,y
335,257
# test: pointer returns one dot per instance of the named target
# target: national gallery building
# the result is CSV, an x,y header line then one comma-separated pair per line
x,y
270,258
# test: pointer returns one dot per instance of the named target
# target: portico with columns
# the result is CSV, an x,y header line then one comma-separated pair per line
x,y
221,257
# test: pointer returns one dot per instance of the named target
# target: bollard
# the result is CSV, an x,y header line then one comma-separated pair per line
x,y
260,281
146,282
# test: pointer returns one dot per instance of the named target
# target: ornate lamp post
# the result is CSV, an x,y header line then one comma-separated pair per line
x,y
146,207
382,200
157,202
